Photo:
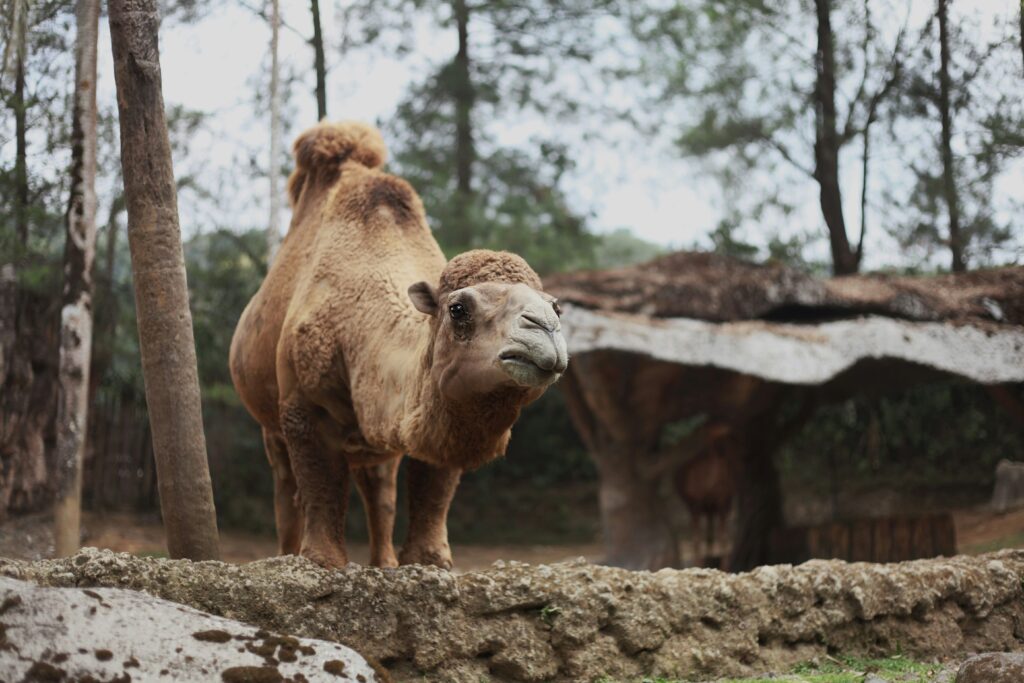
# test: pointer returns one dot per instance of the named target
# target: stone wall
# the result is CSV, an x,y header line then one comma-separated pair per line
x,y
578,622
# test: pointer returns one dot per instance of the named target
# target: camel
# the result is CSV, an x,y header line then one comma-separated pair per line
x,y
707,484
363,345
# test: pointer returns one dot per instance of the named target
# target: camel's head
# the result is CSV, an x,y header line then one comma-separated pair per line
x,y
493,326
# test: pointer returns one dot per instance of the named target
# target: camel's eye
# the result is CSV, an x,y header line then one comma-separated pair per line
x,y
558,309
458,312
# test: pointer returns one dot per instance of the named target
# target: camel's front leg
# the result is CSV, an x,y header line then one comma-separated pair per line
x,y
377,487
430,493
322,478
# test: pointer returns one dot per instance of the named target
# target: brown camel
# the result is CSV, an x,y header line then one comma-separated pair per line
x,y
707,484
363,344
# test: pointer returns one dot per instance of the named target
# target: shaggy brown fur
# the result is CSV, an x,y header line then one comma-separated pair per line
x,y
347,362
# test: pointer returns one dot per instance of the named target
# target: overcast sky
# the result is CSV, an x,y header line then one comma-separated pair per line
x,y
216,66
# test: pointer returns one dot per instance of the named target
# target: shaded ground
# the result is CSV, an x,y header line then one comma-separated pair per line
x,y
979,530
30,538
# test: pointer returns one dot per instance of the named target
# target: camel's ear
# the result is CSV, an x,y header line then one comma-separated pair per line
x,y
423,297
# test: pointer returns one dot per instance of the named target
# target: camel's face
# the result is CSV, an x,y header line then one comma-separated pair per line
x,y
493,335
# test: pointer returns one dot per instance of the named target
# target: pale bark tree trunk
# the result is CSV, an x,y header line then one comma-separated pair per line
x,y
827,144
161,293
320,64
76,311
274,228
956,243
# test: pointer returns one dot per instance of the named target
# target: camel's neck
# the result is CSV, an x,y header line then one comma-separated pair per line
x,y
457,434
401,408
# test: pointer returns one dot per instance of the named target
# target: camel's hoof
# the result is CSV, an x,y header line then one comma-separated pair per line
x,y
386,562
328,558
441,557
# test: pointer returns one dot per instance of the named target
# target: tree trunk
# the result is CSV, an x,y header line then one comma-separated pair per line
x,y
634,519
161,293
76,311
463,96
956,243
637,533
20,31
319,63
759,507
827,144
274,227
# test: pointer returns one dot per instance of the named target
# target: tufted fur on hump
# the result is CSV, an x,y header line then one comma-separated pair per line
x,y
321,150
483,265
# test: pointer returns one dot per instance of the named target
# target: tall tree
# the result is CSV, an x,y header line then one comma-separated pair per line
x,y
478,192
827,144
274,227
761,84
958,126
77,310
319,63
948,170
161,294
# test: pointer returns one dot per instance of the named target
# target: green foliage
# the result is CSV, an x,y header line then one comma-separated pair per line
x,y
942,433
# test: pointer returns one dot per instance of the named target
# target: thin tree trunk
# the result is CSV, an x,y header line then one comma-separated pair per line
x,y
1020,15
319,63
956,244
274,227
20,127
865,166
465,154
826,145
161,293
76,311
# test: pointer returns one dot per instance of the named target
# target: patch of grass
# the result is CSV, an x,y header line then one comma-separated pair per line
x,y
162,554
897,669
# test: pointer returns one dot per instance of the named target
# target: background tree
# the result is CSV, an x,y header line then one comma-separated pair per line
x,y
319,62
478,191
38,59
161,294
274,227
76,312
765,97
960,129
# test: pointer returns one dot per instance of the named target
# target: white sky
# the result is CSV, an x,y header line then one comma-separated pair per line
x,y
215,66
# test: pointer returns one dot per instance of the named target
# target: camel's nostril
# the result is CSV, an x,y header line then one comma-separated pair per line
x,y
536,321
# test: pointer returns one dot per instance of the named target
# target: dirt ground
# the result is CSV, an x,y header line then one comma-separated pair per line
x,y
30,538
978,530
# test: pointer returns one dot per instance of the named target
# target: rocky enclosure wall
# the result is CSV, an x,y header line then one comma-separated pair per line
x,y
579,622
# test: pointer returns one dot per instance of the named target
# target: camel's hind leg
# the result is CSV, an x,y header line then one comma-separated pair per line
x,y
286,511
377,487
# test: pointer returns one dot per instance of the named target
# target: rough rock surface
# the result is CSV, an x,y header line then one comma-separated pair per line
x,y
992,667
577,622
111,634
718,288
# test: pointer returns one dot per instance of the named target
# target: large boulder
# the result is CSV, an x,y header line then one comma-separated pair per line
x,y
992,667
117,635
575,621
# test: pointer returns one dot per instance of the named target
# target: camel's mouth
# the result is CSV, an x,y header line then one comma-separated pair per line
x,y
528,371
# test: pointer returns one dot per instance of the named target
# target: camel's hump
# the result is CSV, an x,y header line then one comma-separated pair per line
x,y
331,144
